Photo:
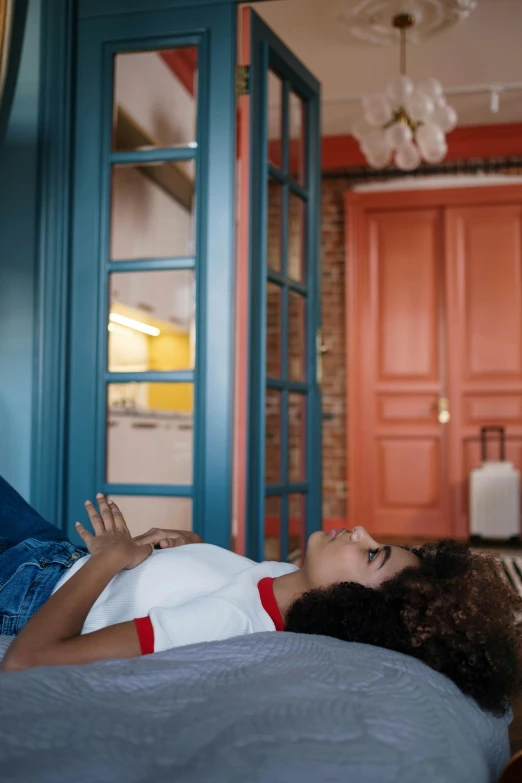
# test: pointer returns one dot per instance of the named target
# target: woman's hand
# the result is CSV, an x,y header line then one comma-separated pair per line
x,y
165,539
112,537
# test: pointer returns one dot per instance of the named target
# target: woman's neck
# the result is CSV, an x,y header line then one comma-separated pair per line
x,y
288,588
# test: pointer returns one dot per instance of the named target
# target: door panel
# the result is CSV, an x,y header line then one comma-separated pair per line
x,y
400,446
419,459
493,408
405,262
150,397
284,437
484,259
487,264
414,408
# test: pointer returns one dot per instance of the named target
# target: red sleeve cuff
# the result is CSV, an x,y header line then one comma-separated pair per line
x,y
145,634
269,603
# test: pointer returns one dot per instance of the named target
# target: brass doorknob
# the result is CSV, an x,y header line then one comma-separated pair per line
x,y
444,413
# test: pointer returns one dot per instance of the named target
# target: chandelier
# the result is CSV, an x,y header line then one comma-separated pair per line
x,y
406,123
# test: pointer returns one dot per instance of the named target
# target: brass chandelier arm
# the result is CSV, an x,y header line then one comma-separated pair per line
x,y
401,115
403,22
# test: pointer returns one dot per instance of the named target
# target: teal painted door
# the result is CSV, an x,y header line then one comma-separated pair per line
x,y
151,299
284,446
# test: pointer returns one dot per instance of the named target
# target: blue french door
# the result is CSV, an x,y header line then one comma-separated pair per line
x,y
150,367
284,472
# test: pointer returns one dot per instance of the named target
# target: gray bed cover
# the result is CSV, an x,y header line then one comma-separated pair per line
x,y
272,707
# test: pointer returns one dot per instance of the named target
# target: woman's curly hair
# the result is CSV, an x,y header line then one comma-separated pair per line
x,y
454,611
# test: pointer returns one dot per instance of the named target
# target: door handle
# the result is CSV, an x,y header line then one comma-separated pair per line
x,y
320,349
444,412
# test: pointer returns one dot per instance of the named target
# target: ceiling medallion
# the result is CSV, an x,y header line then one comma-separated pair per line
x,y
368,21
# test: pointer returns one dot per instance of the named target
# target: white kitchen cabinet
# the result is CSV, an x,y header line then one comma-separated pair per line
x,y
143,512
149,449
155,448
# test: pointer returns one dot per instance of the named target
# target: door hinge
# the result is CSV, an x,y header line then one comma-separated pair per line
x,y
243,80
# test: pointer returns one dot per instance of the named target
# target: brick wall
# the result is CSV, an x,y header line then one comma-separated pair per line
x,y
273,346
334,360
296,343
334,338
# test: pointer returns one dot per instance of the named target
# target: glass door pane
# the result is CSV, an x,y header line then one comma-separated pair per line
x,y
155,107
297,237
169,513
298,125
152,211
155,99
150,433
275,119
151,321
284,402
152,312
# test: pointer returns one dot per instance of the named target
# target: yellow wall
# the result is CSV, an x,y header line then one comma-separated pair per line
x,y
170,351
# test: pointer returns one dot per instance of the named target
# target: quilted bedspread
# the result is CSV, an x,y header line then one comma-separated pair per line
x,y
270,708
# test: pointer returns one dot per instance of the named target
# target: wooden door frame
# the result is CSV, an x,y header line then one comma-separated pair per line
x,y
357,205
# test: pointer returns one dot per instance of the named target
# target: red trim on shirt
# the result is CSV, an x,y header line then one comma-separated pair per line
x,y
266,593
145,634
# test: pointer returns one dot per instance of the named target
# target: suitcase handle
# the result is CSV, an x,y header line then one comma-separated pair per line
x,y
483,441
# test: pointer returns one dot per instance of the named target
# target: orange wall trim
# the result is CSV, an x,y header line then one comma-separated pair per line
x,y
485,141
239,470
474,141
183,63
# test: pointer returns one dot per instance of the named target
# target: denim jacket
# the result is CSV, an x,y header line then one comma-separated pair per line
x,y
29,572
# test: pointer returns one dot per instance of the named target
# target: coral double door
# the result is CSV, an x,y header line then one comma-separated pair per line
x,y
434,320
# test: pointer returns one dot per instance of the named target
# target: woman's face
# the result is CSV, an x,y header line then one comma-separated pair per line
x,y
352,556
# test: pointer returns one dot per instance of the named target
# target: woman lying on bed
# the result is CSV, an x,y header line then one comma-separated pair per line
x,y
440,603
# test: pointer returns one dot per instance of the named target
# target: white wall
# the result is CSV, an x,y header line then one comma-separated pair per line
x,y
148,90
146,221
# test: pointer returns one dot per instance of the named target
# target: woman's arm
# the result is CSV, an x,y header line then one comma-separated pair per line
x,y
162,538
53,635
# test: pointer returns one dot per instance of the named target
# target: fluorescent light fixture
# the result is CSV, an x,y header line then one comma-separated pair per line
x,y
130,323
117,329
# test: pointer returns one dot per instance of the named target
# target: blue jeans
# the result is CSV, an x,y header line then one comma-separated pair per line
x,y
33,556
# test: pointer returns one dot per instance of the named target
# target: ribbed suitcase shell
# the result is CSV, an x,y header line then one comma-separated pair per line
x,y
494,495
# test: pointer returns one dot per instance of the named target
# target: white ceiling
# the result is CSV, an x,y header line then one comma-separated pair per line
x,y
485,49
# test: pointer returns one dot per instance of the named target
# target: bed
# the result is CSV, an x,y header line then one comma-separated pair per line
x,y
271,707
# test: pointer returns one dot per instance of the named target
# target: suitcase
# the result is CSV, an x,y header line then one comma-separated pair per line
x,y
494,495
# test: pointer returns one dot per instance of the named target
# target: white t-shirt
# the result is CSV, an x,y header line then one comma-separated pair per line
x,y
188,594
